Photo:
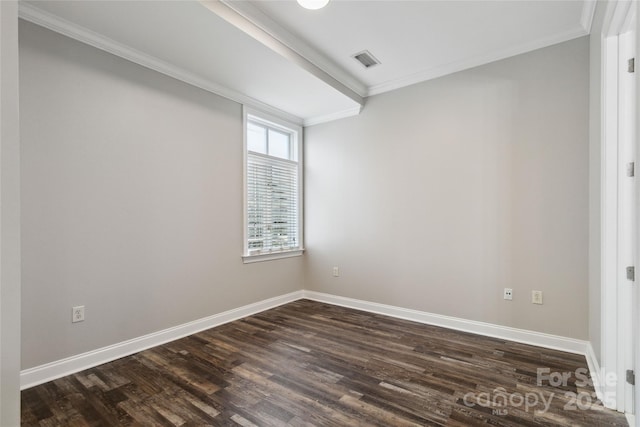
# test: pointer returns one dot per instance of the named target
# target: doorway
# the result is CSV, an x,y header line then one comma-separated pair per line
x,y
619,207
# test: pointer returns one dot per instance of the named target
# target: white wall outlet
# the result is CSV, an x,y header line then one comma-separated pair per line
x,y
336,272
536,297
508,293
77,314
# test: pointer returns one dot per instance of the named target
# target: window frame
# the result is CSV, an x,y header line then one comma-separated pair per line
x,y
296,132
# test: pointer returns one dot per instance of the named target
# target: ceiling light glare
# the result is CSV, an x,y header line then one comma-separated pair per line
x,y
313,4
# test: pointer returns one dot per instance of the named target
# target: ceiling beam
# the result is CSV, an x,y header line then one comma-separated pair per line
x,y
251,29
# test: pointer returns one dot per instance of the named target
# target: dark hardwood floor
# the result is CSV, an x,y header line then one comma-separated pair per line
x,y
308,363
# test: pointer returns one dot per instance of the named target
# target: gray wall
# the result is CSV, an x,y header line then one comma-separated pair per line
x,y
131,201
441,194
9,217
435,198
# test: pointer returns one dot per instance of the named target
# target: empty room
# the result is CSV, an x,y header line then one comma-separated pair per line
x,y
319,213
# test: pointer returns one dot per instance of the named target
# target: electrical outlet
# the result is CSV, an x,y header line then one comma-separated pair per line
x,y
336,272
508,293
77,314
536,297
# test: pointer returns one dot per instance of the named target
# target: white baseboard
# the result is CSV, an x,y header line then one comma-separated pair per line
x,y
50,371
631,419
596,373
555,342
60,368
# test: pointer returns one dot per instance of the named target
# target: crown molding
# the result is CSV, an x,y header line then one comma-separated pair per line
x,y
260,19
45,19
588,12
350,112
258,25
466,64
226,12
617,15
630,19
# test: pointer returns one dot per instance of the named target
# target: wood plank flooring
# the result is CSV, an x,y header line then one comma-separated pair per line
x,y
308,363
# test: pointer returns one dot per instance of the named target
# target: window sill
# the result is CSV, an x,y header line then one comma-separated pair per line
x,y
248,259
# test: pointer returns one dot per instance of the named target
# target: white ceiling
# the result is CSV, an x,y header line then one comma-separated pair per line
x,y
297,63
418,40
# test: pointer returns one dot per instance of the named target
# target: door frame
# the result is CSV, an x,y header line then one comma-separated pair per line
x,y
618,240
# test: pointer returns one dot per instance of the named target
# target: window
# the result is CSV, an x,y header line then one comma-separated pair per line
x,y
273,188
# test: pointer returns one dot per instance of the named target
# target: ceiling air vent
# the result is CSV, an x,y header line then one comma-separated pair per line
x,y
366,59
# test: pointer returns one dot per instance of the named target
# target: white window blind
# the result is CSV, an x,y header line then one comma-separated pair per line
x,y
272,203
272,189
